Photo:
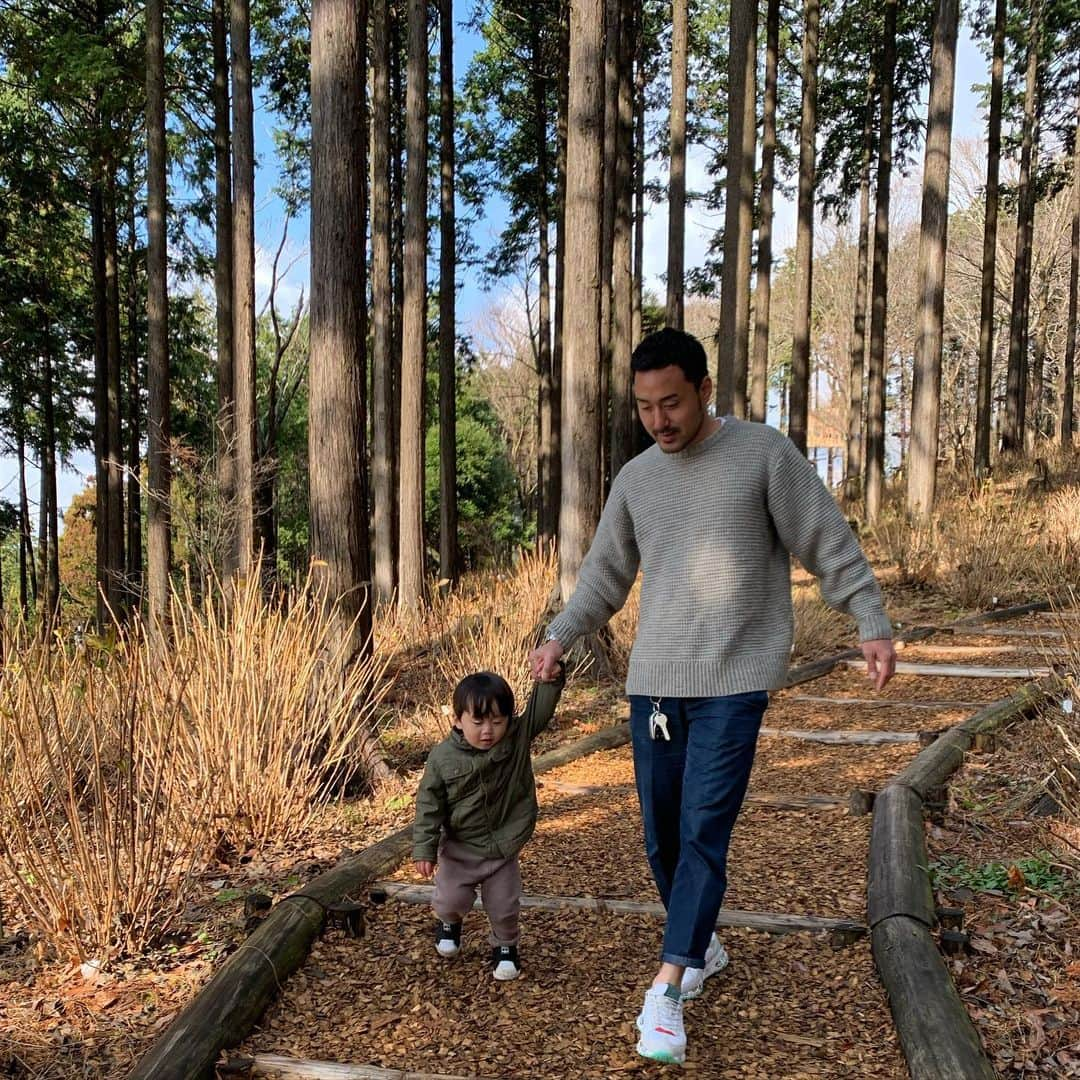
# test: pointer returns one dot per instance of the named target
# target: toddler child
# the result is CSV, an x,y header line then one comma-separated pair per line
x,y
476,808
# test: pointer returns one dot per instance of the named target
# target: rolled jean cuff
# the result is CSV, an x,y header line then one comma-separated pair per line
x,y
681,961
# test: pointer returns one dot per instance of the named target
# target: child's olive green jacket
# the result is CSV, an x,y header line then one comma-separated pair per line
x,y
484,799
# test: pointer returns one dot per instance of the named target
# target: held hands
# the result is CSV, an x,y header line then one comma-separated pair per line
x,y
544,662
424,867
880,661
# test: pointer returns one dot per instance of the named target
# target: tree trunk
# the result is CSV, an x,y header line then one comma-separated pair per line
x,y
677,177
639,175
1012,434
397,253
223,282
607,223
879,293
336,435
413,326
581,488
134,566
382,305
1068,374
545,505
622,402
27,576
933,245
448,509
50,612
734,335
853,460
804,239
1037,428
101,397
554,496
157,339
984,389
114,453
759,368
243,285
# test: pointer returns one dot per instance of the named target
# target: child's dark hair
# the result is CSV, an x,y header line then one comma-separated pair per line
x,y
483,694
662,348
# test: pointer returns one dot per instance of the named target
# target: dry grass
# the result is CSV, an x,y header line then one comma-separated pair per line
x,y
124,765
489,623
818,628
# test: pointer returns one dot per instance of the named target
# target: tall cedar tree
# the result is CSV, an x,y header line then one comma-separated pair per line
x,y
413,324
581,481
804,239
159,496
985,381
933,243
677,178
1068,374
874,490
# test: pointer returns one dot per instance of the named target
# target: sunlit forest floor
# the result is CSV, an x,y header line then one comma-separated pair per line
x,y
87,982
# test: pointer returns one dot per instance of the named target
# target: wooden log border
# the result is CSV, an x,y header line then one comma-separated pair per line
x,y
224,1012
936,1034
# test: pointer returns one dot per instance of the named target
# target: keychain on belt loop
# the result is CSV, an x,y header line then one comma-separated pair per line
x,y
658,721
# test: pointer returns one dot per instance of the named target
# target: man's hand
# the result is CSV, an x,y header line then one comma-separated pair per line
x,y
424,867
880,661
544,662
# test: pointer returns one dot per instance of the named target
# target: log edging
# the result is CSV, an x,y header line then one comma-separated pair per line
x,y
936,1033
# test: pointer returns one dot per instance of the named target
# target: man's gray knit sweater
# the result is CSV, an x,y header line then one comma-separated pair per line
x,y
711,528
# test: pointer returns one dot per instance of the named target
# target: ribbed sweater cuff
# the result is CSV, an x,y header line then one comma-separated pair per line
x,y
875,626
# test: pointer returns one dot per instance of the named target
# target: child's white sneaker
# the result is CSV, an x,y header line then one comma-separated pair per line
x,y
693,980
447,938
505,965
660,1023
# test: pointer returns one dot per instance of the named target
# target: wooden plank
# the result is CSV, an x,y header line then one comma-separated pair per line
x,y
963,650
1006,632
844,738
1061,613
959,671
230,1005
279,1067
898,882
936,1033
887,703
776,802
1002,614
766,921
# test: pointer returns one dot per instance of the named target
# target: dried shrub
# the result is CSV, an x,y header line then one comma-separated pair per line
x,y
623,628
913,548
818,628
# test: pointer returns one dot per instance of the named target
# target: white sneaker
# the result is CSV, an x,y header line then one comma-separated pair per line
x,y
447,939
693,980
660,1022
505,965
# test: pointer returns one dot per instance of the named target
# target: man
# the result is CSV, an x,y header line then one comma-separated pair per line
x,y
711,515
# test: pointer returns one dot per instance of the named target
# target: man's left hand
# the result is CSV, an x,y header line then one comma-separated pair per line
x,y
880,661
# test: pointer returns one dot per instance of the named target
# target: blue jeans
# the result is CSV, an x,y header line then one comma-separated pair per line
x,y
691,789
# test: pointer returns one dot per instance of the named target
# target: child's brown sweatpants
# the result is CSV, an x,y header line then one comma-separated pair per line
x,y
457,875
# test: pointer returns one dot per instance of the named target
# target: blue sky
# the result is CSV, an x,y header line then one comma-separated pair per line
x,y
474,300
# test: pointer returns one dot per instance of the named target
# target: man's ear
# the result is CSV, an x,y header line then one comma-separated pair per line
x,y
705,390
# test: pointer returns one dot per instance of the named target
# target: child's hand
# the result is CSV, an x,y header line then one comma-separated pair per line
x,y
424,867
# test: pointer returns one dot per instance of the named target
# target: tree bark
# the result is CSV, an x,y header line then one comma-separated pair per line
x,y
27,577
545,505
1012,433
581,487
607,223
413,326
382,305
223,281
448,508
639,175
734,335
622,403
876,365
157,339
804,237
134,565
677,176
50,610
1068,374
337,424
101,396
853,459
1037,427
397,254
243,285
933,245
114,453
759,367
984,391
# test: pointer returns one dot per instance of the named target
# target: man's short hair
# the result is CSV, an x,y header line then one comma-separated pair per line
x,y
483,694
662,348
